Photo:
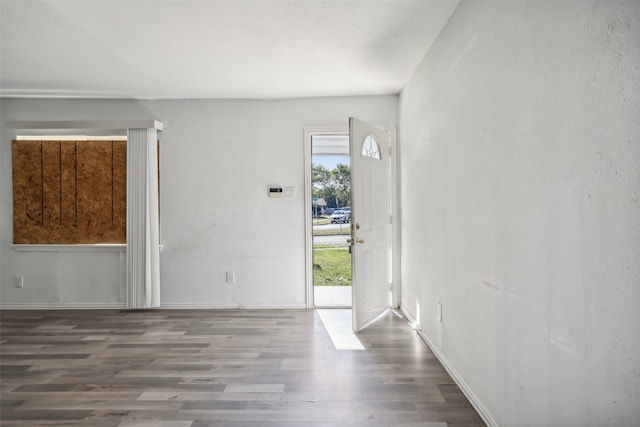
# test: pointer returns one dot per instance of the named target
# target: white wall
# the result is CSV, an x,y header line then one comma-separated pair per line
x,y
520,173
218,158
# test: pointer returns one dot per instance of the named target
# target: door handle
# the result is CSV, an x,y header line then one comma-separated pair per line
x,y
358,241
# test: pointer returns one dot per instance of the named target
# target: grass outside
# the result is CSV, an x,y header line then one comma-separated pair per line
x,y
321,220
331,267
337,232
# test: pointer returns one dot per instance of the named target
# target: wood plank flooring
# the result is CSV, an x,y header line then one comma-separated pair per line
x,y
200,368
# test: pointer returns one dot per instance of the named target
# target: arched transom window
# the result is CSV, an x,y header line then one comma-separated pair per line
x,y
371,148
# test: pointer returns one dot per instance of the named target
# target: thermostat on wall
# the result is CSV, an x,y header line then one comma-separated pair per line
x,y
275,192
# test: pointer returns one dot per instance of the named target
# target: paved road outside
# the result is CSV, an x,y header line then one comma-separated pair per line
x,y
340,240
346,227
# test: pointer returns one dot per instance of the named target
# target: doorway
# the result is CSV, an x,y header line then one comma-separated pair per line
x,y
331,220
365,258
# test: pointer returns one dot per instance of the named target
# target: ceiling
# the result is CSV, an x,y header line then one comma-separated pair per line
x,y
173,49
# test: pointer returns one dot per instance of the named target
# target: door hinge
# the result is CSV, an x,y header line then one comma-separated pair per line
x,y
390,219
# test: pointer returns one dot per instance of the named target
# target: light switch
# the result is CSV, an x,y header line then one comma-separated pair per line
x,y
289,192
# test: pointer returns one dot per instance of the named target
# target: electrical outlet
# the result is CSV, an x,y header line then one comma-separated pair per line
x,y
231,277
440,312
19,281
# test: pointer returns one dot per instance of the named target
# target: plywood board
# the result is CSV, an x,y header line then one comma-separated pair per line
x,y
69,185
51,185
70,192
120,187
27,188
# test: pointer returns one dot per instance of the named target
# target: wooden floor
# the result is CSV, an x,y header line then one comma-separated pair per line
x,y
196,368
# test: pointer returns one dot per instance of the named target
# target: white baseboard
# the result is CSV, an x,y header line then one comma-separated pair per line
x,y
234,306
61,306
116,306
466,390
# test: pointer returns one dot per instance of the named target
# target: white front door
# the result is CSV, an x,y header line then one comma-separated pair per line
x,y
370,221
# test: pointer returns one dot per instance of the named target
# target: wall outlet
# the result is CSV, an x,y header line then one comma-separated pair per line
x,y
231,277
19,281
439,309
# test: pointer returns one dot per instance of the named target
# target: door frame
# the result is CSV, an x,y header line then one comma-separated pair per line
x,y
311,131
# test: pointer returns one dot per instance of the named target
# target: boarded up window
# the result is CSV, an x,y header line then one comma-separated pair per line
x,y
69,192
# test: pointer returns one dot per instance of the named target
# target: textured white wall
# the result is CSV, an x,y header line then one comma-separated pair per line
x,y
520,174
218,158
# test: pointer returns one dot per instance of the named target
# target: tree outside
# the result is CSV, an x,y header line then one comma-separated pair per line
x,y
334,186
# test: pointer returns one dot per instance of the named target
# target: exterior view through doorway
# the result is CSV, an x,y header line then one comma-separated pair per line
x,y
331,220
351,215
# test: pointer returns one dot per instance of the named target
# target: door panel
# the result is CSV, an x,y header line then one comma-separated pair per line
x,y
370,228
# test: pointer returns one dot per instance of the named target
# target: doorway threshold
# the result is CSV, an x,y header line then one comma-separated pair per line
x,y
332,296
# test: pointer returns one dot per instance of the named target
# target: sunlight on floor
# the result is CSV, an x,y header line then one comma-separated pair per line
x,y
338,324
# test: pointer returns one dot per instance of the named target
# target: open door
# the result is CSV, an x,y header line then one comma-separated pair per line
x,y
370,222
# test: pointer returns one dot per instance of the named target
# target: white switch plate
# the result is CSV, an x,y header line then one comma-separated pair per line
x,y
440,312
19,281
289,192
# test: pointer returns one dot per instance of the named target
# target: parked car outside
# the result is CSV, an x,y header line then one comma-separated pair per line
x,y
330,211
347,211
339,216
